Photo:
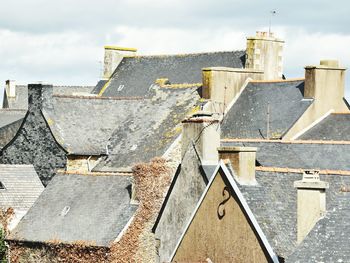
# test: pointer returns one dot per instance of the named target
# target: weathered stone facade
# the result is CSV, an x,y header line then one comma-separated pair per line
x,y
34,142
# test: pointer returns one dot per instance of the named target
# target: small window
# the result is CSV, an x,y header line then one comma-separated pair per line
x,y
2,186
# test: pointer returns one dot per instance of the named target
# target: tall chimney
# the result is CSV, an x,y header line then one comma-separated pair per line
x,y
311,202
113,57
325,83
264,52
243,162
203,131
10,88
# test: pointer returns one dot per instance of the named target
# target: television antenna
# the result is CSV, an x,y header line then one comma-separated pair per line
x,y
272,14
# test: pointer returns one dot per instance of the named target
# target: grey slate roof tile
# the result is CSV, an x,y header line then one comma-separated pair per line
x,y
10,122
274,204
248,118
300,155
335,127
98,208
135,75
22,186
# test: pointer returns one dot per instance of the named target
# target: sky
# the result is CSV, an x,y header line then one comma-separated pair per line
x,y
61,42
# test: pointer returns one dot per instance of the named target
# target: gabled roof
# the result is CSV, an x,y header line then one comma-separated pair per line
x,y
135,75
221,170
22,186
277,104
299,154
85,208
149,128
273,201
334,127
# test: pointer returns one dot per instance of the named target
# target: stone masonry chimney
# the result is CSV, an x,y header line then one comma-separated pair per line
x,y
311,204
10,88
243,162
264,52
113,56
203,131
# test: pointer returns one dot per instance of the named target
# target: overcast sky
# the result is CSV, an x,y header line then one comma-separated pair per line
x,y
61,42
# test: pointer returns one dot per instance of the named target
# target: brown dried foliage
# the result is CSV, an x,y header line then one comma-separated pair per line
x,y
152,180
5,217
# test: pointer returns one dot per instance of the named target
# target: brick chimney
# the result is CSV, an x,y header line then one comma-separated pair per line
x,y
203,131
311,204
10,88
264,52
243,162
113,57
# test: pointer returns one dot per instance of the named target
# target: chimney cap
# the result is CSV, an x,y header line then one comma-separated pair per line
x,y
330,63
311,180
237,149
129,49
201,116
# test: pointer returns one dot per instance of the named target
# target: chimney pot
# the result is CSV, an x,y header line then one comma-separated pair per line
x,y
11,88
330,63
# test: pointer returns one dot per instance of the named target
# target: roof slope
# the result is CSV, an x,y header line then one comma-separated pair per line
x,y
274,203
335,127
93,209
248,117
135,75
83,125
149,128
300,155
10,122
22,186
329,240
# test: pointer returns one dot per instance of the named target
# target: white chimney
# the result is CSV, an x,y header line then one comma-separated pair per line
x,y
11,88
264,52
242,160
113,56
311,202
203,131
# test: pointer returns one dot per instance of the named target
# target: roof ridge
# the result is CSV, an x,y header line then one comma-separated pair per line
x,y
63,172
97,97
299,170
288,141
12,110
277,80
182,54
341,113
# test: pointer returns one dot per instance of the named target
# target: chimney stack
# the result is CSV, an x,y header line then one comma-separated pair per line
x,y
10,88
243,162
264,52
203,131
325,83
311,202
113,56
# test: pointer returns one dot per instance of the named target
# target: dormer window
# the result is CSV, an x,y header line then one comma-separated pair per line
x,y
2,186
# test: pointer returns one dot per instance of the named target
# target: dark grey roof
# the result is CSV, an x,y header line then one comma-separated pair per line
x,y
10,122
329,240
274,204
83,125
21,99
148,128
300,155
208,171
248,118
99,86
335,127
93,209
135,75
22,186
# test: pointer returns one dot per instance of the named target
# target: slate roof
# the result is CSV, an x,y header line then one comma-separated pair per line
x,y
299,155
73,207
21,99
135,75
148,129
335,127
10,122
274,204
70,90
22,186
248,118
329,240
